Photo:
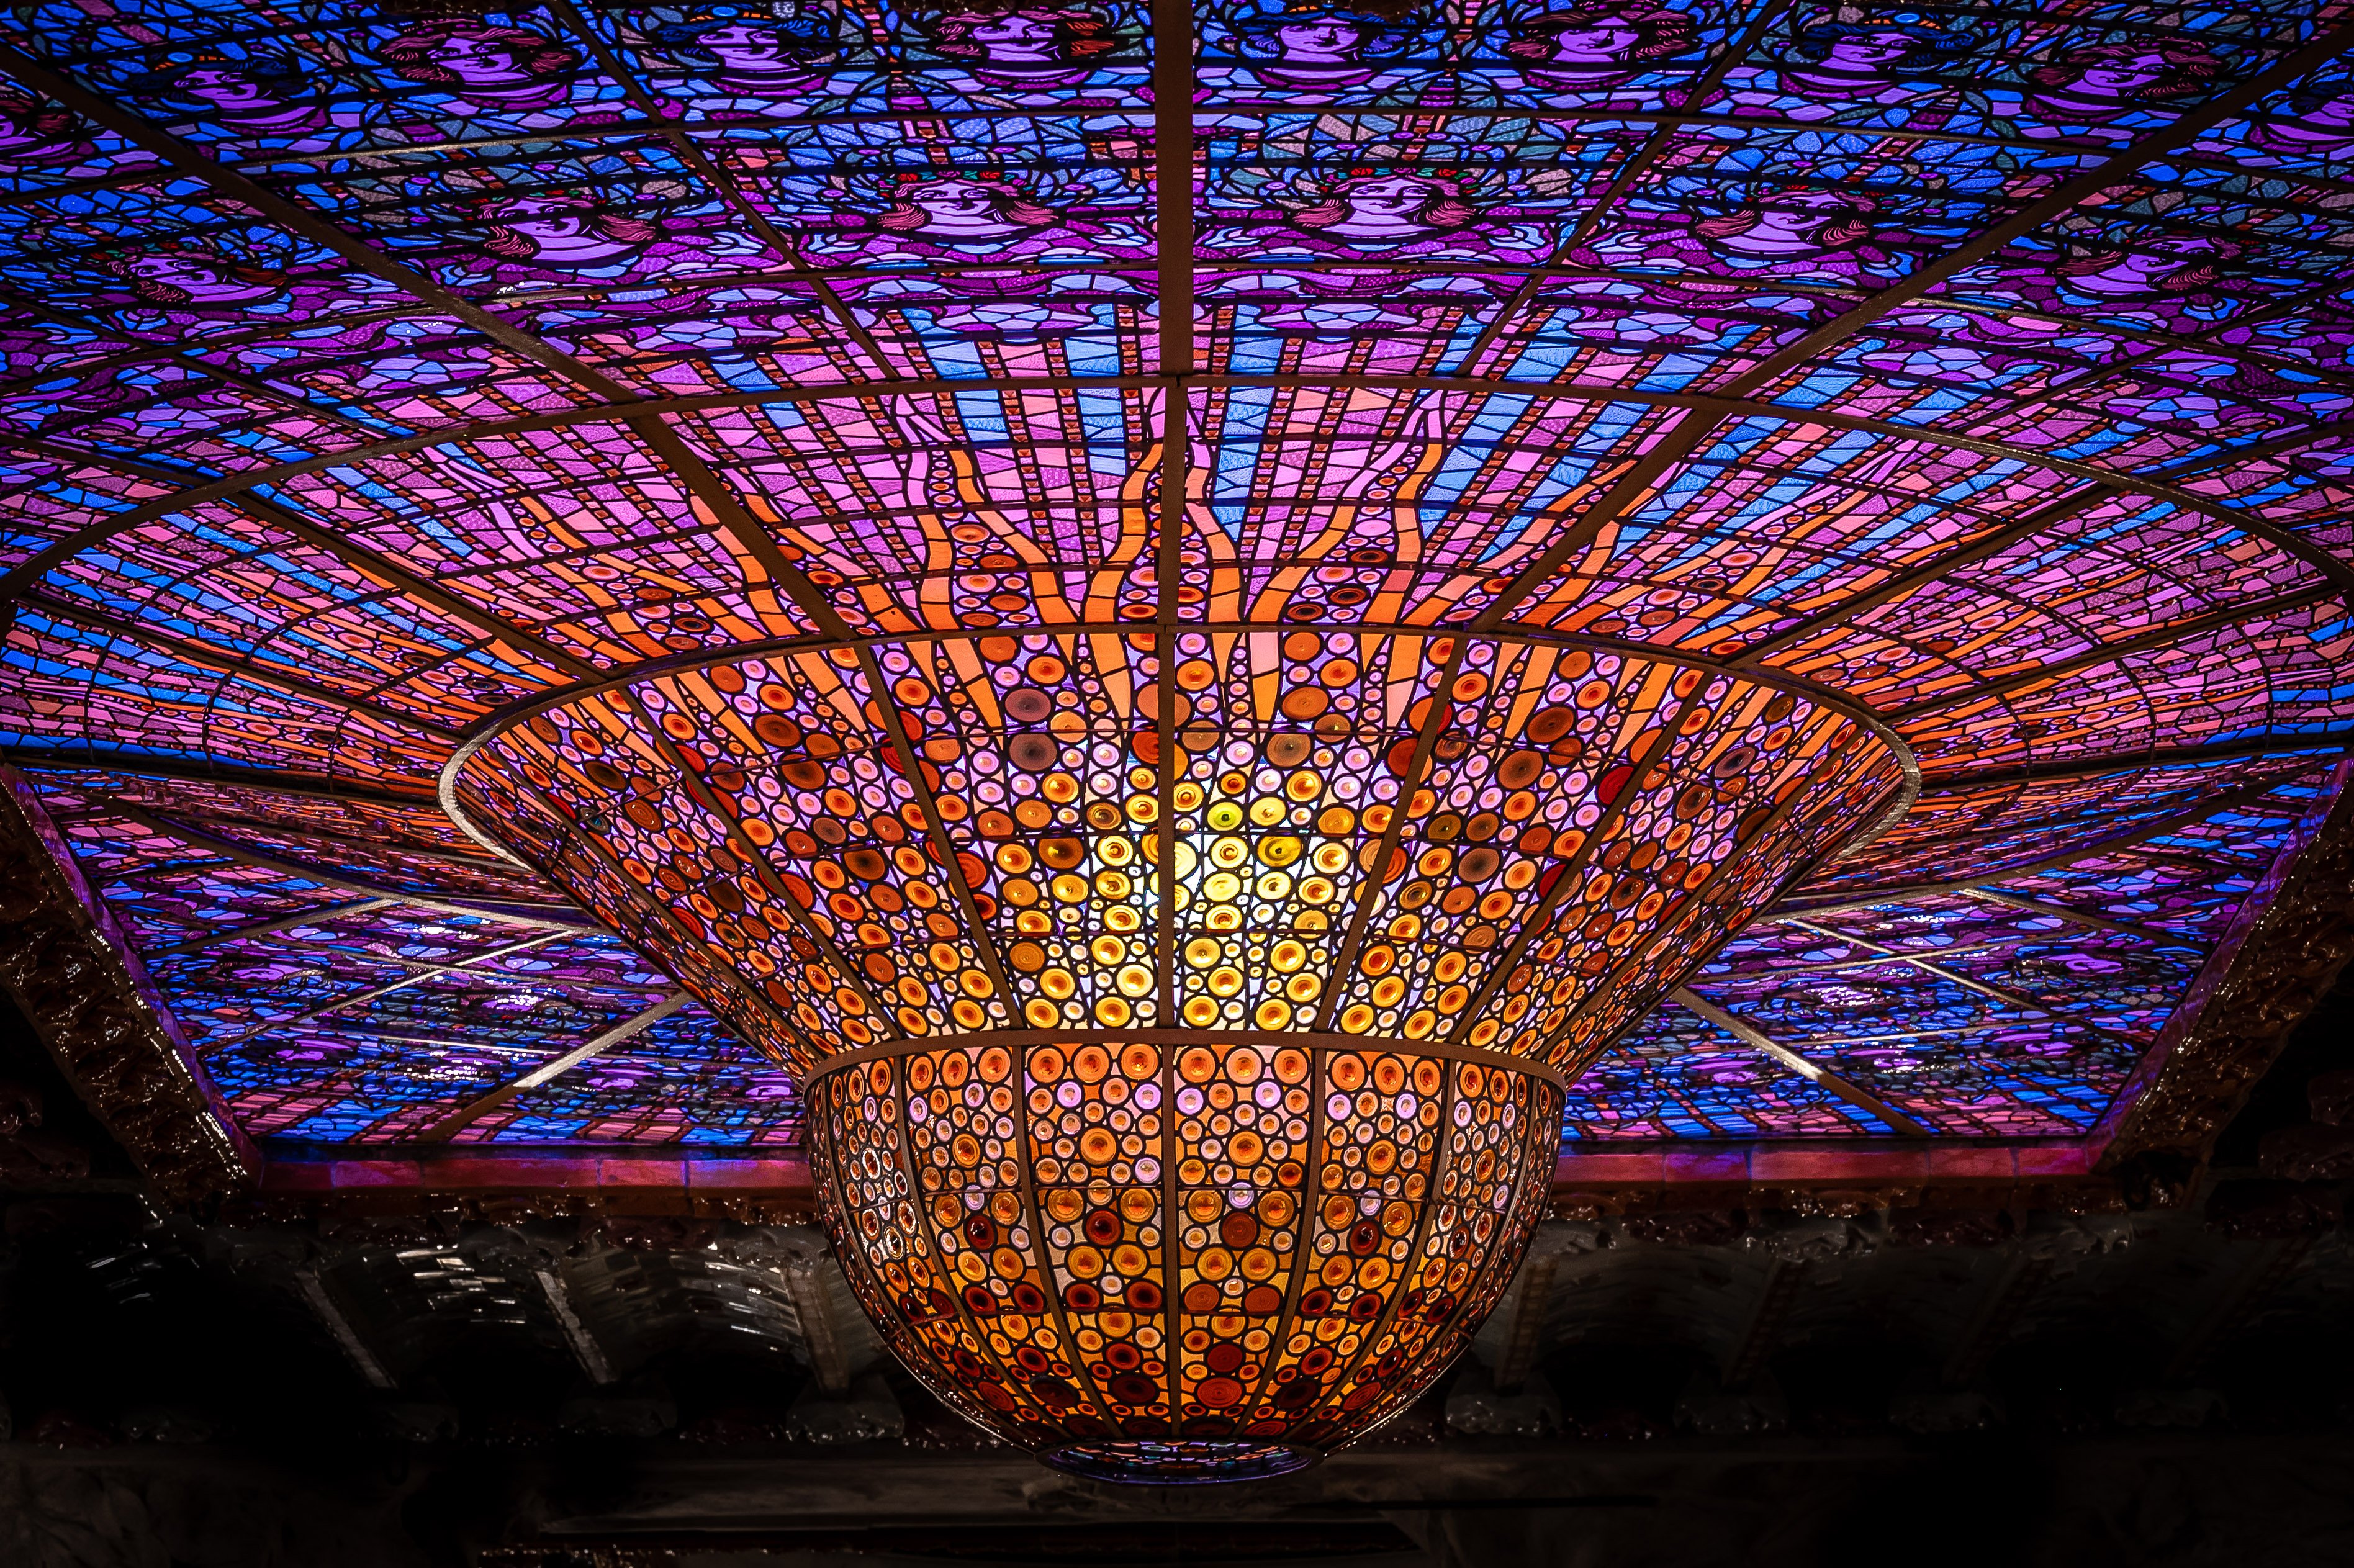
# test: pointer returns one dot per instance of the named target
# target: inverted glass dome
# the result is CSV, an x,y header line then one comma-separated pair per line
x,y
1185,1016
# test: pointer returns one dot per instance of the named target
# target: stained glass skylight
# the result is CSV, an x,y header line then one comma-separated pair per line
x,y
570,564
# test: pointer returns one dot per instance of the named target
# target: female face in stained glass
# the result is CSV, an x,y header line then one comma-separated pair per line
x,y
32,131
753,49
1599,46
1388,207
565,232
1862,59
1330,40
955,209
312,1053
2164,264
510,66
1793,225
1311,43
1730,1071
195,279
1026,42
2321,123
2097,85
258,95
609,1076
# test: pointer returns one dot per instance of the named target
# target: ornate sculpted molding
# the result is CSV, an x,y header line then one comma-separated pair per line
x,y
2281,957
68,965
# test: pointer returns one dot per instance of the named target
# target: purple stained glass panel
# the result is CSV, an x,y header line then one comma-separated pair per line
x,y
374,380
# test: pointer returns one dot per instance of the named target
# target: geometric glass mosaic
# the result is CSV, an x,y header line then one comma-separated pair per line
x,y
1259,585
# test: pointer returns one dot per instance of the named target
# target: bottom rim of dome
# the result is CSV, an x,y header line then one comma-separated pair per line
x,y
1160,1262
1179,1461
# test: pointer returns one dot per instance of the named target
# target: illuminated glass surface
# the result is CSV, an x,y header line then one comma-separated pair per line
x,y
399,402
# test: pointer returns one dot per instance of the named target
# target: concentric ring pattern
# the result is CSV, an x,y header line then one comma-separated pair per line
x,y
399,399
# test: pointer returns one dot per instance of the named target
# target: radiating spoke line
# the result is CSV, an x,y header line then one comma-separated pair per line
x,y
1813,1072
474,1110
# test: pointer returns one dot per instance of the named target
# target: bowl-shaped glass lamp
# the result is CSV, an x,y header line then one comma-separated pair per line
x,y
1184,1024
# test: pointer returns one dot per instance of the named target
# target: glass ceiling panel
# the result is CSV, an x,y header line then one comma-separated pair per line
x,y
370,374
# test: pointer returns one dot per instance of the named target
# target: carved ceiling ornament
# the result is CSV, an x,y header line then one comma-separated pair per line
x,y
2293,940
77,981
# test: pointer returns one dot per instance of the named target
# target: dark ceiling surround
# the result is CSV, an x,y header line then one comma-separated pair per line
x,y
74,975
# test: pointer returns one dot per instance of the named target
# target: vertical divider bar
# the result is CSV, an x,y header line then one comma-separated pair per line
x,y
1171,1222
1442,1160
936,829
1304,1223
1172,176
1034,1213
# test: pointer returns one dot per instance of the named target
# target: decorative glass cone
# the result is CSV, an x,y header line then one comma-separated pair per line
x,y
1185,1048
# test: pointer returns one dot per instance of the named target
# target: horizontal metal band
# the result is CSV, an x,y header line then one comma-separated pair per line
x,y
1174,1039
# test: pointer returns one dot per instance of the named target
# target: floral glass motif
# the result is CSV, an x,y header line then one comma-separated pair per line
x,y
511,513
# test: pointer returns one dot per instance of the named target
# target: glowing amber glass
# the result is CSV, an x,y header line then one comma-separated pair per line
x,y
1184,1020
1240,1253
